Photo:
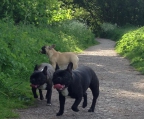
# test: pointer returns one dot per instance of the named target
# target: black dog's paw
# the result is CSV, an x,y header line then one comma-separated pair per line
x,y
59,113
90,110
48,104
75,109
41,98
84,104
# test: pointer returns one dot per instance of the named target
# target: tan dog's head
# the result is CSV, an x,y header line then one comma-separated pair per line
x,y
47,49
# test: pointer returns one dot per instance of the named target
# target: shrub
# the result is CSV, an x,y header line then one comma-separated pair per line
x,y
131,45
114,32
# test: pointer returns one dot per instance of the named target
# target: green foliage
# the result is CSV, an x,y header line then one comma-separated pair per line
x,y
113,31
108,30
34,11
122,11
5,108
108,27
82,37
50,12
19,52
92,16
131,45
92,12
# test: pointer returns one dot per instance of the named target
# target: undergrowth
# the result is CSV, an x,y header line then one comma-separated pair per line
x,y
114,32
131,45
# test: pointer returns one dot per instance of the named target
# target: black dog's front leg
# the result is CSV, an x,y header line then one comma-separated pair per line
x,y
41,95
76,103
48,96
62,103
34,92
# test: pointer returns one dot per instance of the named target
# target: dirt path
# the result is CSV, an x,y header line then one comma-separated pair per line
x,y
121,89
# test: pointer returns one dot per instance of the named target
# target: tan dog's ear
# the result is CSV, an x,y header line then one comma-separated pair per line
x,y
52,46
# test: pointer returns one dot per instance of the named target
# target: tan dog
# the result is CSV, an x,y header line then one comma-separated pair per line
x,y
62,59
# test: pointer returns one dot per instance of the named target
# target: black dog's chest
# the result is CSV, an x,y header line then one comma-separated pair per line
x,y
43,87
75,88
72,93
68,93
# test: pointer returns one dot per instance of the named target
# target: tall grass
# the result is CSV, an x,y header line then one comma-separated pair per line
x,y
19,52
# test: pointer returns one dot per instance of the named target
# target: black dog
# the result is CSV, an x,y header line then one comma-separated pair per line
x,y
41,79
74,84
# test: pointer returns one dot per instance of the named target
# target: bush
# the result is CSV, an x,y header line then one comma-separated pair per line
x,y
82,36
131,45
114,32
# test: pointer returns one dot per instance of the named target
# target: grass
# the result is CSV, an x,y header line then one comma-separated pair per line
x,y
19,52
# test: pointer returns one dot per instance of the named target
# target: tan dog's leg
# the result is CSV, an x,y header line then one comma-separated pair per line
x,y
54,65
75,66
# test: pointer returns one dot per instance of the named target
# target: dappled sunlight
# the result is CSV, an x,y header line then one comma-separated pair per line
x,y
100,53
130,94
94,64
96,67
139,85
121,93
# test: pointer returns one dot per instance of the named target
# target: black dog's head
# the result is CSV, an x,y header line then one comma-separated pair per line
x,y
38,78
43,50
62,78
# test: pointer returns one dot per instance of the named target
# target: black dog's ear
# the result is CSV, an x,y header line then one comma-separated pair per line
x,y
45,70
43,48
57,67
36,67
70,67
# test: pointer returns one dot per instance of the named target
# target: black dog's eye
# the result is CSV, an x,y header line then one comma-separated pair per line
x,y
59,79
